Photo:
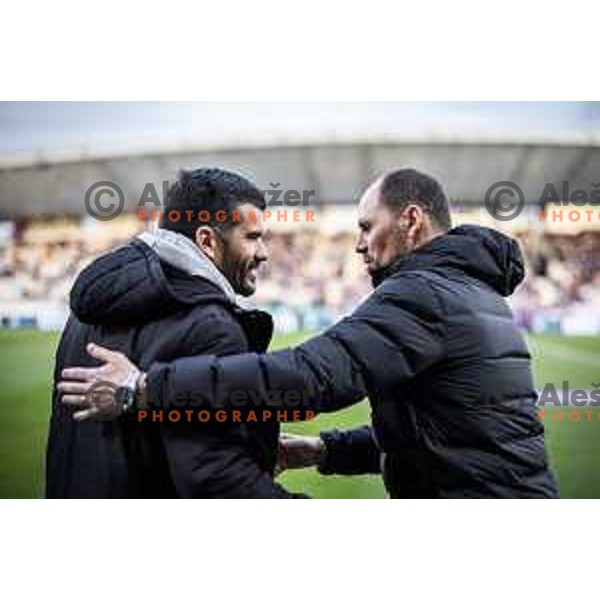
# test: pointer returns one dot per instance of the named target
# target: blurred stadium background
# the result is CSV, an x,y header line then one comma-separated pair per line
x,y
51,153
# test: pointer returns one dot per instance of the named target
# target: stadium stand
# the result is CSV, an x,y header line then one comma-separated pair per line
x,y
313,276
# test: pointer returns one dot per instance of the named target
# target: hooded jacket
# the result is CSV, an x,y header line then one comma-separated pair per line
x,y
447,373
158,298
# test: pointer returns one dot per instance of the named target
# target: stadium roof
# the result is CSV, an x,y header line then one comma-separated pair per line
x,y
51,153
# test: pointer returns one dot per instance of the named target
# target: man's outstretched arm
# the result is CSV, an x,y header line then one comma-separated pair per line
x,y
317,376
395,334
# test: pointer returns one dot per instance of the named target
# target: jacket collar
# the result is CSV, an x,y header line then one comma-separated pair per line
x,y
481,252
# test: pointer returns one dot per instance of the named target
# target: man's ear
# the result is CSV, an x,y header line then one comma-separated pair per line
x,y
208,241
415,220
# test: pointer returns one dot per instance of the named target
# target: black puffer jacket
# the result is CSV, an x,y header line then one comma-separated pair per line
x,y
447,373
131,301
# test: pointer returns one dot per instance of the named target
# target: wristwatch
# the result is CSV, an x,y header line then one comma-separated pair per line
x,y
125,397
127,394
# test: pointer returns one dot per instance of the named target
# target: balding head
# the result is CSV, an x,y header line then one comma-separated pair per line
x,y
399,212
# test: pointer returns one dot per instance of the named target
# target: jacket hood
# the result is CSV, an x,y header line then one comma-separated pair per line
x,y
149,277
181,253
483,253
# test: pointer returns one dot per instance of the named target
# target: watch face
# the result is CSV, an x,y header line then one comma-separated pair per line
x,y
124,398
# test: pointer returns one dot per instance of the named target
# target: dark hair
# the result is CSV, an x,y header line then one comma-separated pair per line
x,y
211,190
404,186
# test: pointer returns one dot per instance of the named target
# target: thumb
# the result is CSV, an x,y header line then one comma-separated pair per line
x,y
101,353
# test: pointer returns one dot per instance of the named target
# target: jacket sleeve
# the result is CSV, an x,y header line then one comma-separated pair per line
x,y
350,452
391,337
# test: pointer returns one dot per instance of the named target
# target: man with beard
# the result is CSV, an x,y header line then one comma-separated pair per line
x,y
161,297
434,346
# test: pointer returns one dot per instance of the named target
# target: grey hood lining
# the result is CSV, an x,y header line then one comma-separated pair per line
x,y
181,253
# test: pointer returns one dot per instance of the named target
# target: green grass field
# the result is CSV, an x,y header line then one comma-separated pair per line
x,y
26,362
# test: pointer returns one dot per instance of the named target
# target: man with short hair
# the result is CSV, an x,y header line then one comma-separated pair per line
x,y
163,296
434,346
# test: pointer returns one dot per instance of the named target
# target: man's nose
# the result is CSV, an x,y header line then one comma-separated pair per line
x,y
262,253
360,247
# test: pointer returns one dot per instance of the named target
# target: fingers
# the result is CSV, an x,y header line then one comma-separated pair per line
x,y
73,387
93,374
82,373
103,354
91,406
84,415
73,400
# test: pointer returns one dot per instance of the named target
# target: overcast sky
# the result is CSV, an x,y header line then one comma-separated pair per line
x,y
132,125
